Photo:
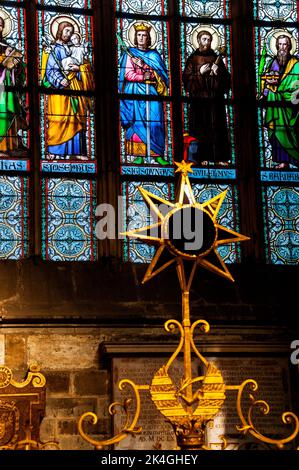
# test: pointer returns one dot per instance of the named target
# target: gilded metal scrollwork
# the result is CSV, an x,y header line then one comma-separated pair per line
x,y
34,376
130,423
19,424
248,426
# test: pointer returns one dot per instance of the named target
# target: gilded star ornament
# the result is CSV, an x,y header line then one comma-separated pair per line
x,y
172,249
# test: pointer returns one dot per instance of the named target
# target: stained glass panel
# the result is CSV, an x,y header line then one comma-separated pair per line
x,y
13,36
66,51
277,70
13,217
68,220
154,146
67,121
220,44
137,214
154,59
273,10
208,121
56,128
198,150
146,7
145,125
228,215
14,130
13,104
67,3
281,214
207,8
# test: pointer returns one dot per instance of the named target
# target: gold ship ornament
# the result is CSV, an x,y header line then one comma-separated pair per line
x,y
197,400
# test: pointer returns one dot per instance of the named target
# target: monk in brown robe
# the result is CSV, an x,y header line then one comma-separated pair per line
x,y
206,82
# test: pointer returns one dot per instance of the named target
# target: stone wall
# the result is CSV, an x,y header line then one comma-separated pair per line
x,y
69,359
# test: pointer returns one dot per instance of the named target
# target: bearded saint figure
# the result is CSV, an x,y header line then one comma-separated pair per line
x,y
206,81
67,114
279,87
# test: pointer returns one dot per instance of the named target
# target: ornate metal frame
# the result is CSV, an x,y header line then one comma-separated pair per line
x,y
22,407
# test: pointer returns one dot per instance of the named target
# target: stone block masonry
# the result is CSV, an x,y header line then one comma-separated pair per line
x,y
70,361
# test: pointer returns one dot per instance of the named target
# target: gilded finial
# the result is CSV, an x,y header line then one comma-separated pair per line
x,y
183,167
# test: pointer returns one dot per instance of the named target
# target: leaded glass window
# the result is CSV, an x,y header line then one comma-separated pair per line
x,y
66,77
207,82
67,3
167,112
145,120
14,134
47,153
177,96
281,213
228,214
13,217
277,79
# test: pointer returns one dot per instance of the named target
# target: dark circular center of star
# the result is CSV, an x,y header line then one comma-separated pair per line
x,y
191,231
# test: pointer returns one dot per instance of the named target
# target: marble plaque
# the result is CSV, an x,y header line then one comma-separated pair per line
x,y
271,374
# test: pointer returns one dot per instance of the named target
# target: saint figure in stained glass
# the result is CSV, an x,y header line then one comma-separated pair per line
x,y
279,92
66,67
143,72
207,80
13,112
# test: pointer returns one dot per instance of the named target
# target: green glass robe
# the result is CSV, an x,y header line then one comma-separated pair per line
x,y
282,120
9,107
11,113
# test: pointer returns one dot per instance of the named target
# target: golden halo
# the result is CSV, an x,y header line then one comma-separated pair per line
x,y
131,33
271,40
59,19
7,22
204,27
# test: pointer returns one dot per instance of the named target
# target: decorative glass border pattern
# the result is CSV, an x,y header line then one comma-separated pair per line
x,y
68,220
281,229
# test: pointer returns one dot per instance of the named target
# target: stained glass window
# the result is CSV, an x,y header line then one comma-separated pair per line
x,y
277,78
66,74
154,84
68,222
67,3
66,141
277,144
144,71
79,148
147,126
13,217
146,7
14,134
67,123
273,10
228,215
208,116
277,73
281,213
208,8
13,102
137,214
